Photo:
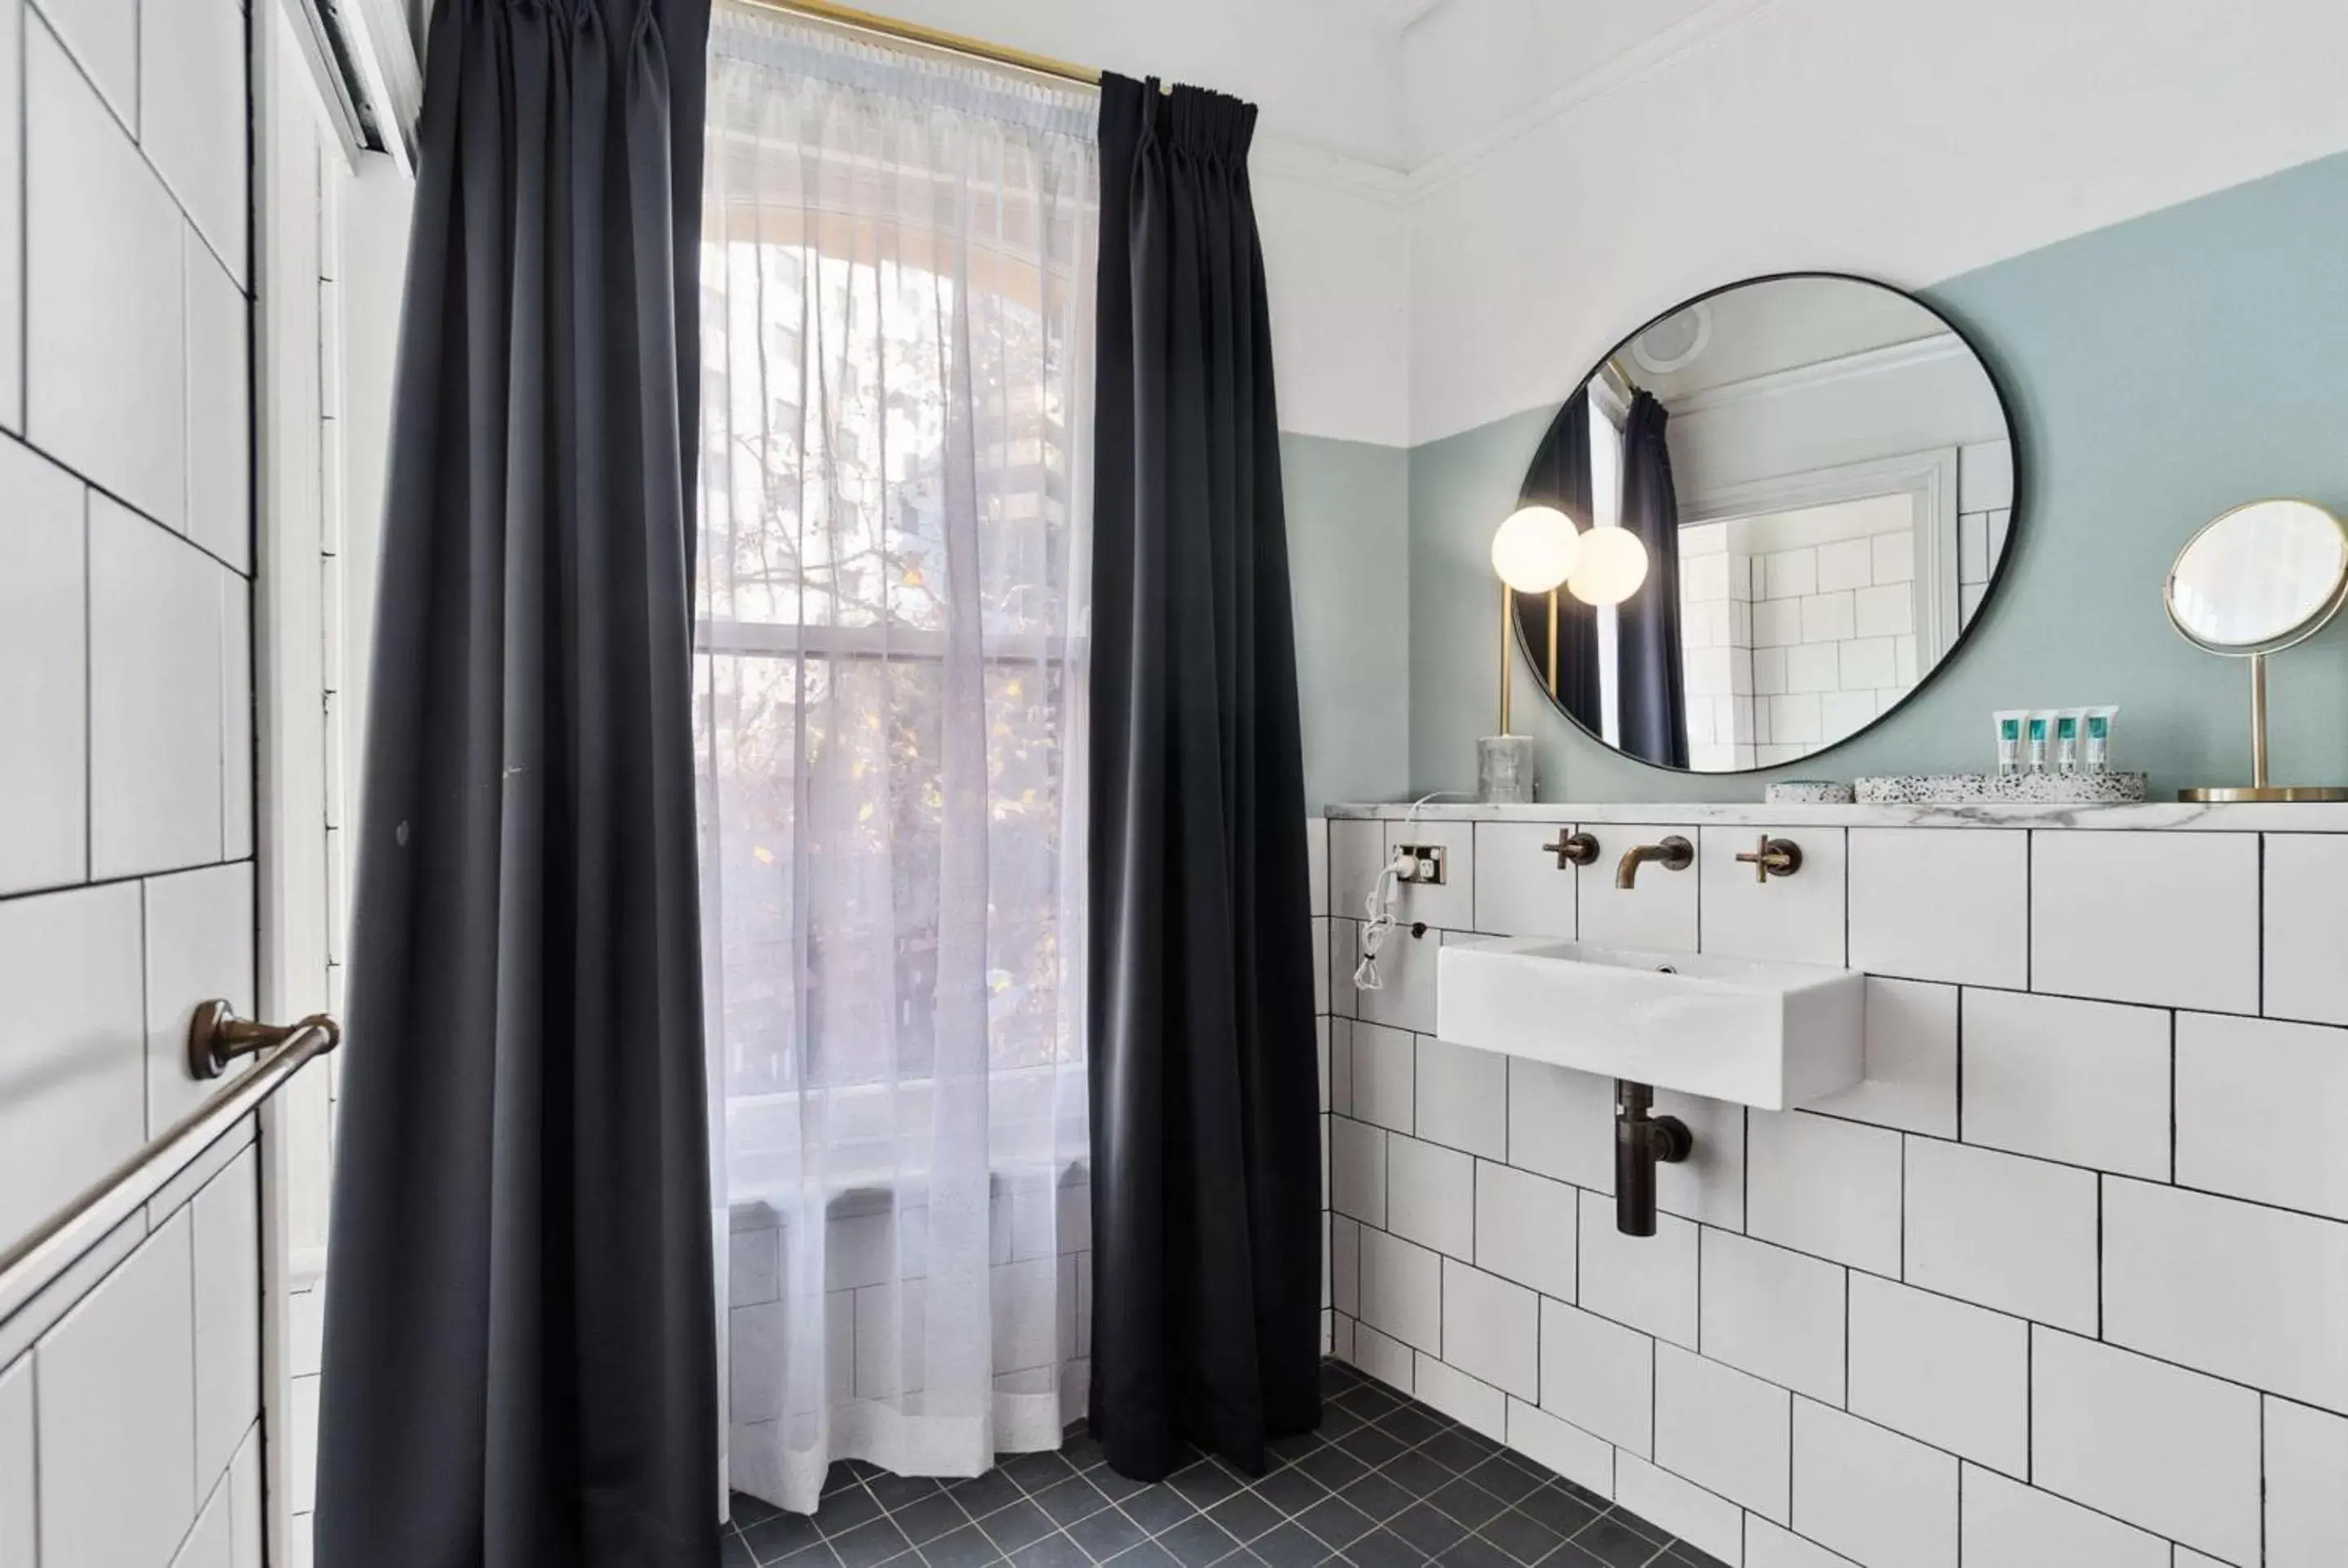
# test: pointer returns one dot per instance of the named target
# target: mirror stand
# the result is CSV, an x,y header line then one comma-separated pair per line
x,y
2259,789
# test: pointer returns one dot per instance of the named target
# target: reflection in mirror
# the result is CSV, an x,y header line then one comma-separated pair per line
x,y
1822,475
2257,577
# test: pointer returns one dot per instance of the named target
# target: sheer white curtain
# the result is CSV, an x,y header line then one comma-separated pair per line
x,y
897,282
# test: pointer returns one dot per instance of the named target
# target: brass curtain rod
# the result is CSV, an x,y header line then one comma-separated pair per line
x,y
933,38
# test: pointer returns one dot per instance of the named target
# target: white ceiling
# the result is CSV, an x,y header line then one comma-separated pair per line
x,y
1396,84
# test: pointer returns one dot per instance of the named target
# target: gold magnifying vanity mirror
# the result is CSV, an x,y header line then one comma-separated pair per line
x,y
2254,581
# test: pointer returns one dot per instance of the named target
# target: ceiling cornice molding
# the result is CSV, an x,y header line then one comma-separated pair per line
x,y
1691,34
1282,158
1401,14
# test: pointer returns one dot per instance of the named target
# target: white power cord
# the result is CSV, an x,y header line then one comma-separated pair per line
x,y
1378,905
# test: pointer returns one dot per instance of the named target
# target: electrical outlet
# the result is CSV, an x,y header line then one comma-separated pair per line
x,y
1426,864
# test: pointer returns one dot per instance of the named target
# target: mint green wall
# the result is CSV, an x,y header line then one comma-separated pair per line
x,y
1348,551
2159,372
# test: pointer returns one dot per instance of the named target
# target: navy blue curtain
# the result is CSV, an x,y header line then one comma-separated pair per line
x,y
1559,477
1651,673
1204,1084
521,1367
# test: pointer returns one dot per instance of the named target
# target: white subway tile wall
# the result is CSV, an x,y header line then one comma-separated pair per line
x,y
2064,1278
130,1386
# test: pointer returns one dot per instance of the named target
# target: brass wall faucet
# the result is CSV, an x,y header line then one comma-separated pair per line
x,y
1676,853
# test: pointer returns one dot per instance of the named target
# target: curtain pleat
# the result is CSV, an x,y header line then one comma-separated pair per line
x,y
520,1347
1205,1265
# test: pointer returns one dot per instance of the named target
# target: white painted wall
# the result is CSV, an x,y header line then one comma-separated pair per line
x,y
1908,143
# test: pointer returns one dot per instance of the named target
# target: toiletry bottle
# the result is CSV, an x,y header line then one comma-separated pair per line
x,y
2095,743
2066,740
2036,736
2009,742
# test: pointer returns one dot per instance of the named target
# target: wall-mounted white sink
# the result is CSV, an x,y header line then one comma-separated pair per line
x,y
1771,1035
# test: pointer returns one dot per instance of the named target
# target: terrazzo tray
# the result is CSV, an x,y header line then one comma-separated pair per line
x,y
1938,789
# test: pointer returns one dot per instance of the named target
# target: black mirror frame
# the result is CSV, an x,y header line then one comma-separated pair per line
x,y
1531,613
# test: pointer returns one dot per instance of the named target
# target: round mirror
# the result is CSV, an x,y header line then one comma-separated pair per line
x,y
1817,474
2259,578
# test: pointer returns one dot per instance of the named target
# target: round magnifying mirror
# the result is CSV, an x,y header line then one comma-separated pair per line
x,y
2259,578
2256,580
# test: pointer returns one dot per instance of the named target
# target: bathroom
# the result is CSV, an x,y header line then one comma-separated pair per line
x,y
1626,853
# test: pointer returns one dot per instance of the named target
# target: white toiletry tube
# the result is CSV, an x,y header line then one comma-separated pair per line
x,y
2037,739
2069,723
2008,741
2096,739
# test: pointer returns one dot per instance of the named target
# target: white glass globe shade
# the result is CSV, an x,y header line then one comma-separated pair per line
x,y
1610,568
1535,549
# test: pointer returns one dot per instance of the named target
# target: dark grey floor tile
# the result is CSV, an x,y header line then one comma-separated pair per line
x,y
1474,1551
1369,1401
1431,1532
1038,1470
1416,1474
743,1509
869,1544
1336,1378
1148,1555
1082,1452
846,1509
981,1496
1521,1536
1158,1508
1576,1489
819,1556
1382,1548
932,1516
1289,1546
965,1548
1244,1515
1016,1526
1466,1501
843,1472
1073,1499
1502,1479
1531,1467
895,1491
1333,1467
732,1551
1683,1555
1613,1541
1371,1446
1336,1420
1560,1510
1290,1490
779,1535
1571,1556
1055,1551
1197,1541
1378,1497
1294,1446
1117,1488
1415,1424
1206,1483
1106,1535
1457,1449
1337,1523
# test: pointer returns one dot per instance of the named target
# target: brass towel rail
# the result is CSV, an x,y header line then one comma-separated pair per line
x,y
216,1037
